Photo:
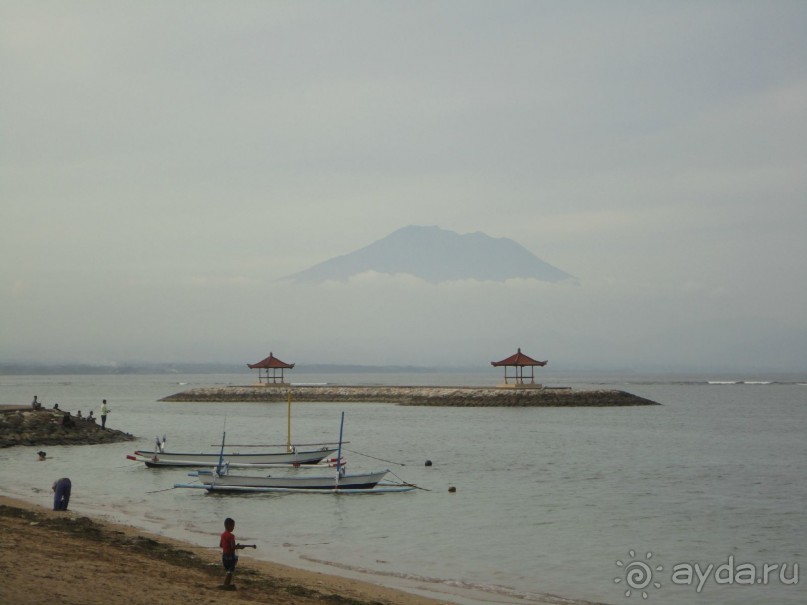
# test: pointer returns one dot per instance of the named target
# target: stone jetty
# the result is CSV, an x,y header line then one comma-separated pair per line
x,y
417,395
25,426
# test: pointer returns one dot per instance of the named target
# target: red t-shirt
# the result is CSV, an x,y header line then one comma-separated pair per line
x,y
227,543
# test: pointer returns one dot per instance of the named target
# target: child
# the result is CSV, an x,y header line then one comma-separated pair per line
x,y
228,556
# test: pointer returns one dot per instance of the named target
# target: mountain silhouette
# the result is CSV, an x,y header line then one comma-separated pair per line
x,y
437,255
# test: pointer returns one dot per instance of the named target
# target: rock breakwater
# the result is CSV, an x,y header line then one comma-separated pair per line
x,y
45,427
416,395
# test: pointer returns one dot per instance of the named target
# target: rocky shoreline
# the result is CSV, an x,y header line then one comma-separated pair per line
x,y
415,395
26,426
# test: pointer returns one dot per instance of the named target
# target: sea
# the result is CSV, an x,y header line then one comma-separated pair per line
x,y
701,499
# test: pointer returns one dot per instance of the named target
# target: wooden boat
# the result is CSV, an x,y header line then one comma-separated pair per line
x,y
380,488
291,457
234,459
221,480
297,482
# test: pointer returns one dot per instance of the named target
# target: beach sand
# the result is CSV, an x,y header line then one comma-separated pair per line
x,y
70,559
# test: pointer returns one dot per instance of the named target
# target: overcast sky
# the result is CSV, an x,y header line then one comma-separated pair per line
x,y
163,164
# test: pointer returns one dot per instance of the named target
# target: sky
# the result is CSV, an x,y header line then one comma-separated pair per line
x,y
164,164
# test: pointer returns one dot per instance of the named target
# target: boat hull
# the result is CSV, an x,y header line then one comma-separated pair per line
x,y
233,459
358,481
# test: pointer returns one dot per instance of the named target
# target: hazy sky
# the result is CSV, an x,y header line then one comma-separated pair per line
x,y
163,164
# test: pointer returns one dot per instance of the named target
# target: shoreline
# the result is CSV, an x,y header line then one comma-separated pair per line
x,y
66,555
532,396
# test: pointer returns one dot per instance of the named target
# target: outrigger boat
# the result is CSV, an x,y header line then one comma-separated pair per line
x,y
291,457
221,480
227,482
161,458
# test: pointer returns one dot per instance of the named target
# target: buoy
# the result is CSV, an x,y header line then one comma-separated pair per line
x,y
452,489
428,462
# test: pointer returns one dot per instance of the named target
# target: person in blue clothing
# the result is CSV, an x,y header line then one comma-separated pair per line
x,y
61,493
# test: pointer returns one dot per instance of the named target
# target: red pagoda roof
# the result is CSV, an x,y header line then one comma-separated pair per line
x,y
519,359
270,362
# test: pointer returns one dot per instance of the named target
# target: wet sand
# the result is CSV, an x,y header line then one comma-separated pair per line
x,y
67,558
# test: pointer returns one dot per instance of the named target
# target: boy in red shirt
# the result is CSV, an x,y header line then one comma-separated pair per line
x,y
228,556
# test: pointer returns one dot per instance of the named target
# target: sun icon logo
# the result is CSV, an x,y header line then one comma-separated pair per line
x,y
638,574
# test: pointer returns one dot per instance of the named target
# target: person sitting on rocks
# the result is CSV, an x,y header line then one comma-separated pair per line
x,y
78,414
90,417
36,404
67,420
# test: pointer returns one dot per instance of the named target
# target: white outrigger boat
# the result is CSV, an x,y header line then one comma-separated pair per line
x,y
220,480
290,457
161,458
341,481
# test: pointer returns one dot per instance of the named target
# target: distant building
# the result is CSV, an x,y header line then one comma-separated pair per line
x,y
518,362
270,364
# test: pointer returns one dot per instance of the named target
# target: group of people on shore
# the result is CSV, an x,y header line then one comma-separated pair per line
x,y
62,487
67,419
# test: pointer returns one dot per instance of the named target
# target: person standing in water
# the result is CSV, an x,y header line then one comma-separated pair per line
x,y
61,493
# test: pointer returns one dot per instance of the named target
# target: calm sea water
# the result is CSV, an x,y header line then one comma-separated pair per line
x,y
548,501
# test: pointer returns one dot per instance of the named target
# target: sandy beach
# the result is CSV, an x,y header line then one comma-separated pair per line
x,y
71,559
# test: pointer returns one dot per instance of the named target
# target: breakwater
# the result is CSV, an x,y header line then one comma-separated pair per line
x,y
26,426
417,395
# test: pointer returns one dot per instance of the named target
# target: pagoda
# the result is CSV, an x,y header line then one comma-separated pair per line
x,y
519,361
272,364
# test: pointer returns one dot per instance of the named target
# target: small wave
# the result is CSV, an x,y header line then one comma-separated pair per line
x,y
493,589
740,382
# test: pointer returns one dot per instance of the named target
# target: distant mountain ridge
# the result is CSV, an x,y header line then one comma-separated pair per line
x,y
437,255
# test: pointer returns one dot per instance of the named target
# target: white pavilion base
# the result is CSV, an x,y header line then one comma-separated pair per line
x,y
519,385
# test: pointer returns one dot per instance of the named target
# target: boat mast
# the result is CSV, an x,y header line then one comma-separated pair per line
x,y
288,427
221,454
339,468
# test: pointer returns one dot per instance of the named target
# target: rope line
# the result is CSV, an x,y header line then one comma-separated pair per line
x,y
404,482
374,458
